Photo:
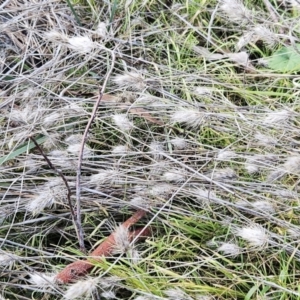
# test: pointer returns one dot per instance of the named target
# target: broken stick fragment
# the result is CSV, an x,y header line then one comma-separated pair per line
x,y
81,267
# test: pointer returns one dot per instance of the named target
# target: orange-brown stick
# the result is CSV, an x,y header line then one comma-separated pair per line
x,y
81,267
106,247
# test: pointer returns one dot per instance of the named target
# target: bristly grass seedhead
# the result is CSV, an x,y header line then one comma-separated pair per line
x,y
54,35
132,80
235,11
254,234
157,150
258,33
122,121
190,118
105,176
81,44
265,140
278,117
122,240
109,295
222,174
101,30
225,155
7,259
292,164
179,143
75,148
49,193
229,249
42,281
119,150
81,288
176,294
175,175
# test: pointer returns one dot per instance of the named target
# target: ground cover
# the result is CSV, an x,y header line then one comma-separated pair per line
x,y
198,125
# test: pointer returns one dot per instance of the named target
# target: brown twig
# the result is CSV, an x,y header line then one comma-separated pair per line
x,y
80,156
59,172
81,267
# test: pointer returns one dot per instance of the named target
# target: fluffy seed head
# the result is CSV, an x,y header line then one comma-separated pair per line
x,y
275,175
177,294
30,163
73,139
132,80
61,159
140,202
50,192
255,235
244,40
229,249
225,155
293,233
120,150
241,58
52,119
265,34
73,108
109,282
264,206
201,91
105,176
204,297
235,11
265,140
52,141
122,121
292,164
109,295
134,256
122,242
157,150
190,118
39,203
75,148
42,280
257,162
161,189
280,116
222,174
251,168
101,30
145,297
285,194
258,33
54,35
29,114
174,175
81,288
205,196
81,44
160,166
7,259
179,143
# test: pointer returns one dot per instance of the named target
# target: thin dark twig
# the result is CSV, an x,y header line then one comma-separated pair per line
x,y
69,193
80,156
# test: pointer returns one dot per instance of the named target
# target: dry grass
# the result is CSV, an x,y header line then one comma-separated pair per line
x,y
193,127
